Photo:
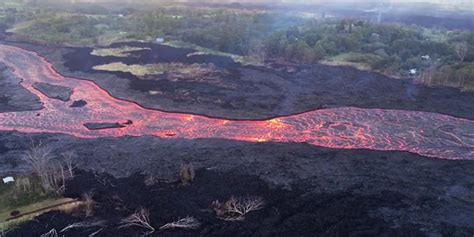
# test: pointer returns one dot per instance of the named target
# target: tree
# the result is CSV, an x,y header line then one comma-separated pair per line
x,y
257,50
341,26
235,209
319,52
184,223
68,160
140,218
461,49
41,160
39,157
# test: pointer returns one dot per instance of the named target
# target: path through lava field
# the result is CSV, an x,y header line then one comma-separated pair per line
x,y
428,134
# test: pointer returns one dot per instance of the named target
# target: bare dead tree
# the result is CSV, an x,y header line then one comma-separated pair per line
x,y
23,184
96,232
461,49
140,218
190,223
51,233
83,224
40,157
104,180
60,180
68,160
88,203
235,209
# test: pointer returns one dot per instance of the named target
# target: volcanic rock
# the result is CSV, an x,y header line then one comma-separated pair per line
x,y
376,193
99,126
54,91
13,97
78,104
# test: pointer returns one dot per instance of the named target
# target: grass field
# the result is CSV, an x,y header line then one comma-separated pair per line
x,y
11,199
356,60
173,69
122,52
201,50
36,209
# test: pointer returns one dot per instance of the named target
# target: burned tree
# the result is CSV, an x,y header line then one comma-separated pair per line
x,y
40,157
68,160
50,172
235,209
51,233
140,218
189,223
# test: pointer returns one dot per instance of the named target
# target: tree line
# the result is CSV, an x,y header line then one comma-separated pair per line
x,y
389,48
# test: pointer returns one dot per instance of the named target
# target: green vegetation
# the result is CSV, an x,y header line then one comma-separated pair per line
x,y
392,49
24,196
13,196
29,195
252,37
9,12
36,209
65,28
116,52
174,70
245,60
138,70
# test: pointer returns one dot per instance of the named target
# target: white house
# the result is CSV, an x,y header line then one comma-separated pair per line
x,y
8,179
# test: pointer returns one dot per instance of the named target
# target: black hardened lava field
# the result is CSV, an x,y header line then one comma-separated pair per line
x,y
276,118
240,92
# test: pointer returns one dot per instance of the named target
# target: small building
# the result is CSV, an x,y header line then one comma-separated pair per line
x,y
8,179
160,40
412,71
425,57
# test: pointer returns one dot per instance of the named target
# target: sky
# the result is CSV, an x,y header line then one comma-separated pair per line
x,y
312,1
464,3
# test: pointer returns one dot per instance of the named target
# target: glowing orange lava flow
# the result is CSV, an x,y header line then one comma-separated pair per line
x,y
429,134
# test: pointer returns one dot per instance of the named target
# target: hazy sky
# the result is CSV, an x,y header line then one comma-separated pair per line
x,y
308,1
464,3
404,1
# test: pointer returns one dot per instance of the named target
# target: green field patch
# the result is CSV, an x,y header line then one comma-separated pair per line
x,y
122,52
174,70
24,199
245,60
361,61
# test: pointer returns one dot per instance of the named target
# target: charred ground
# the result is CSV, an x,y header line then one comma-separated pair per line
x,y
287,213
242,94
307,189
13,97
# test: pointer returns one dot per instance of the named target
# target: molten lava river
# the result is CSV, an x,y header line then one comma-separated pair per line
x,y
428,134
